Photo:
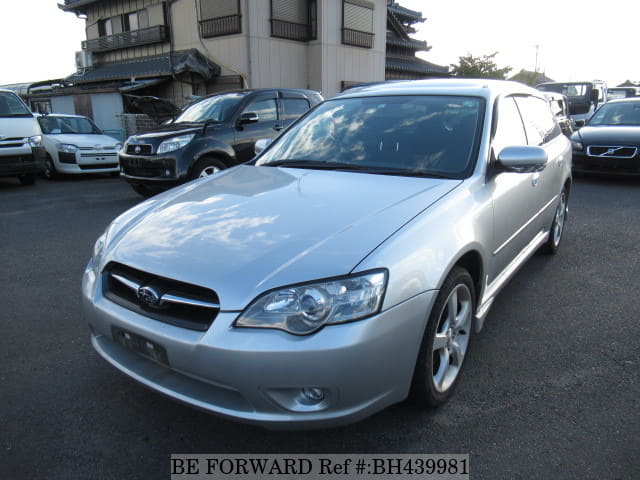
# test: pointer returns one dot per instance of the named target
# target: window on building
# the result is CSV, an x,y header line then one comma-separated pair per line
x,y
41,106
219,17
357,23
294,19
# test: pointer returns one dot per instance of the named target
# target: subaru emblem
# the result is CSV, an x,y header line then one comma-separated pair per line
x,y
148,295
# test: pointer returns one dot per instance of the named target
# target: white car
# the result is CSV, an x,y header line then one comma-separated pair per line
x,y
74,144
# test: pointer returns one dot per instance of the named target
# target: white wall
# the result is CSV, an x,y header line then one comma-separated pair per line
x,y
63,105
105,107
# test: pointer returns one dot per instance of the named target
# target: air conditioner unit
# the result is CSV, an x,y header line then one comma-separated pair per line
x,y
84,59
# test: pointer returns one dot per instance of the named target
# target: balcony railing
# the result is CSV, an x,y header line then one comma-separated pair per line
x,y
292,31
127,39
357,38
216,27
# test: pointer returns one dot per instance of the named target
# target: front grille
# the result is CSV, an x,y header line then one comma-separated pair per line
x,y
141,149
17,159
170,301
12,142
611,151
99,148
98,166
98,154
142,167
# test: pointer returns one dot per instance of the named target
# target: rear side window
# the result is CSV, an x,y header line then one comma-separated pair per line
x,y
539,122
294,107
510,131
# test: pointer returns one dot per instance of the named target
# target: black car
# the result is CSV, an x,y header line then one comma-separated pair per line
x,y
609,143
212,134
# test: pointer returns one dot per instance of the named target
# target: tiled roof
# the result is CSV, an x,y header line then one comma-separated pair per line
x,y
405,12
414,65
409,43
148,67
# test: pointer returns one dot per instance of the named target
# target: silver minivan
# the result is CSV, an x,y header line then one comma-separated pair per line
x,y
347,267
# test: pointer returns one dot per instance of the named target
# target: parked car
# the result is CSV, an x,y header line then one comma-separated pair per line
x,y
345,267
610,141
21,152
560,108
212,134
75,145
584,97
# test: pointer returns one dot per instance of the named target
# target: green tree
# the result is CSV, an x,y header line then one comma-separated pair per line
x,y
479,67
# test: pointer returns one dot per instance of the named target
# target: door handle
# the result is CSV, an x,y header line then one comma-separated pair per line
x,y
535,178
277,128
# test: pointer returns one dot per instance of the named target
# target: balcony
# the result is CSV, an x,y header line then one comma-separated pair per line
x,y
216,27
136,38
292,31
357,38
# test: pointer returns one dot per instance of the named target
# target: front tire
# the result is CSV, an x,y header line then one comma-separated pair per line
x,y
206,167
49,171
557,225
445,341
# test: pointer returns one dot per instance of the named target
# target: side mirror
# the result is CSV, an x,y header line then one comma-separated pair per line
x,y
249,117
261,145
523,159
580,123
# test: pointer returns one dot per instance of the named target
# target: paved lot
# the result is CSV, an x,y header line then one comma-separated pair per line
x,y
551,387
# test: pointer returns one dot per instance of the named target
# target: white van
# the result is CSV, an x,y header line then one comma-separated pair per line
x,y
21,152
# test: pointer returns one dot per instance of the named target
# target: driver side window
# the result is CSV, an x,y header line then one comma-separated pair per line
x,y
266,110
510,130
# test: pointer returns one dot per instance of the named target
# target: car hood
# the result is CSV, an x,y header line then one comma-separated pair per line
x,y
18,127
610,135
84,140
250,229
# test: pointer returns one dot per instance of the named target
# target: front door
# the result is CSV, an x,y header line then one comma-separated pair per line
x,y
267,125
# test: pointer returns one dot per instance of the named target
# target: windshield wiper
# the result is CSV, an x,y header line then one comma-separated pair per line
x,y
350,167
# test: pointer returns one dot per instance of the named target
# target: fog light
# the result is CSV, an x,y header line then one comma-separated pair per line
x,y
313,394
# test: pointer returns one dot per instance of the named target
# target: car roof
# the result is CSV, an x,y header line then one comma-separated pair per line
x,y
58,115
247,91
438,86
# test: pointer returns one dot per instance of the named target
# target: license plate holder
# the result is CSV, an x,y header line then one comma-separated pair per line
x,y
141,345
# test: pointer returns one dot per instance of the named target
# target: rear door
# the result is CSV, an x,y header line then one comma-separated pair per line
x,y
265,106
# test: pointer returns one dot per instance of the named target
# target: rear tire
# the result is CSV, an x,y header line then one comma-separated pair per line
x,y
552,244
27,179
445,341
206,167
142,190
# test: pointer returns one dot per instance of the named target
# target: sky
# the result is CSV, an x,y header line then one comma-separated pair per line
x,y
577,40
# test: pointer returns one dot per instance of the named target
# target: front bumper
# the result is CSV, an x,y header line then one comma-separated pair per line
x,y
255,375
583,163
21,161
162,172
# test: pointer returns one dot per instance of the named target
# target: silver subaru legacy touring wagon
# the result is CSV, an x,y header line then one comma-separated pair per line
x,y
346,267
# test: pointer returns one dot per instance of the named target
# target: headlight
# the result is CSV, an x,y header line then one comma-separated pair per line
x,y
577,145
98,250
306,308
35,141
175,143
66,148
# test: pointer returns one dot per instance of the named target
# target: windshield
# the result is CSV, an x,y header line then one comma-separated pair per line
x,y
215,109
621,113
425,135
571,90
56,125
617,93
12,106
